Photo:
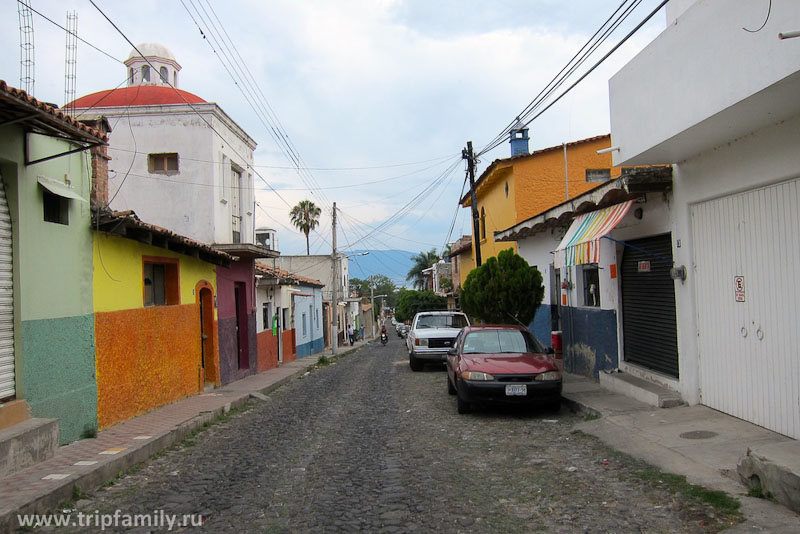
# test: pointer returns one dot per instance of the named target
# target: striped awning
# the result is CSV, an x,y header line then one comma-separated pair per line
x,y
581,244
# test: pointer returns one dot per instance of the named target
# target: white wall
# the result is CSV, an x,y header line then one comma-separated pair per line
x,y
537,251
314,327
187,202
704,81
764,157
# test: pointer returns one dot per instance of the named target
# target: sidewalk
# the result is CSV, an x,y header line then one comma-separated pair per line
x,y
695,441
89,463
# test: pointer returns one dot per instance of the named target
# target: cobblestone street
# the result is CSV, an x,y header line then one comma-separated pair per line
x,y
365,444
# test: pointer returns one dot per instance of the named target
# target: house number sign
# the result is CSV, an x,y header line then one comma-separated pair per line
x,y
738,288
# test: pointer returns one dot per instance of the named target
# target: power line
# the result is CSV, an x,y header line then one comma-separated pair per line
x,y
191,106
558,80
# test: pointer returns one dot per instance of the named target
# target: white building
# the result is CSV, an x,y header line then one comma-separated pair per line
x,y
722,105
165,138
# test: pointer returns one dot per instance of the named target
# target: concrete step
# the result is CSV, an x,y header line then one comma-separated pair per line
x,y
26,444
641,390
775,468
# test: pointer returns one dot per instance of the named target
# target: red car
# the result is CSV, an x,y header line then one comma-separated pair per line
x,y
502,364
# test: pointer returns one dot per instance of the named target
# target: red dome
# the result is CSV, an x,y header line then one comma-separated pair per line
x,y
143,95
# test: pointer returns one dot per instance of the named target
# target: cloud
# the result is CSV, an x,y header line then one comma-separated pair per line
x,y
357,84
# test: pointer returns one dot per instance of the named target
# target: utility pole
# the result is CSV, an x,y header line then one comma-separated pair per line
x,y
372,301
476,224
335,289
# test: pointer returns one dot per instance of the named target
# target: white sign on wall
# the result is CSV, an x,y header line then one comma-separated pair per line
x,y
738,288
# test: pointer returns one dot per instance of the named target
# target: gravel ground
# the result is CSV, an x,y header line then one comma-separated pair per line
x,y
365,444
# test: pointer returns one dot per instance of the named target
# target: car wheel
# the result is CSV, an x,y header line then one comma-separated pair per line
x,y
450,387
414,363
463,406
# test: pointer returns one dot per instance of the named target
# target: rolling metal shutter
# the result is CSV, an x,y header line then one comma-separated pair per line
x,y
7,389
648,305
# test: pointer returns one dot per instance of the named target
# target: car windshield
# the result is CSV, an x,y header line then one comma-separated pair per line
x,y
442,321
500,341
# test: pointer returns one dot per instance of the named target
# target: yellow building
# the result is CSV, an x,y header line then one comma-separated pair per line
x,y
513,189
155,320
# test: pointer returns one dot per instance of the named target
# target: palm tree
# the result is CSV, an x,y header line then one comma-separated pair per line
x,y
305,216
422,261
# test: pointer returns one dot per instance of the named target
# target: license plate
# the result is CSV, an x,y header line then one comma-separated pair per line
x,y
516,390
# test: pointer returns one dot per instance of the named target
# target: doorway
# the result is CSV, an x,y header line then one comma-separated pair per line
x,y
242,344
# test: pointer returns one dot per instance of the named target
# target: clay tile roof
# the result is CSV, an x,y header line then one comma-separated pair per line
x,y
127,224
467,201
16,104
275,272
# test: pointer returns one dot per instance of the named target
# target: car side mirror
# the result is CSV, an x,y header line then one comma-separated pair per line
x,y
550,350
452,352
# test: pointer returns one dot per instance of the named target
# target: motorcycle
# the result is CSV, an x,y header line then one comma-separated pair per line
x,y
384,338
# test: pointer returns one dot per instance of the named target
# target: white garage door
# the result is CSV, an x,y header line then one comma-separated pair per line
x,y
6,302
747,280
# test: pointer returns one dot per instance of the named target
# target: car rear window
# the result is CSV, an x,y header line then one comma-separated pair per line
x,y
442,321
500,341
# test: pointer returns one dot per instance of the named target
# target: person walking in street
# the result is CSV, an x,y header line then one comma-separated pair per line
x,y
351,333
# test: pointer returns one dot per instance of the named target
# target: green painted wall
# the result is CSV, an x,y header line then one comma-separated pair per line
x,y
54,325
59,373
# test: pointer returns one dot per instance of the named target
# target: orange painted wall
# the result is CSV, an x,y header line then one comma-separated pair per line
x,y
540,183
267,350
289,349
145,358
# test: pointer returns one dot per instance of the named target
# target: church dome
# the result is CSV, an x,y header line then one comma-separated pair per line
x,y
152,50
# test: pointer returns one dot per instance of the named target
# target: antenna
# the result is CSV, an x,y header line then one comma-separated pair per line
x,y
71,63
26,56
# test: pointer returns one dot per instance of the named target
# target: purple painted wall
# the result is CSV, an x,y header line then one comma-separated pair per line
x,y
239,271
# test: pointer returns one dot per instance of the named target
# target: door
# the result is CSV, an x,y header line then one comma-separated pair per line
x,y
206,334
7,375
746,255
649,330
242,341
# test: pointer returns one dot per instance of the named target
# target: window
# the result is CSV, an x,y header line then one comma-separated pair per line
x,y
160,278
145,73
316,313
164,74
590,281
130,75
483,223
236,210
304,325
175,77
162,163
598,175
266,320
56,208
506,189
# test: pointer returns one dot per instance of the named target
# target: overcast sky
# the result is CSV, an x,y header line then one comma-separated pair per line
x,y
362,83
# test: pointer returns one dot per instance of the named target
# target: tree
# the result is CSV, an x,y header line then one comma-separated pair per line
x,y
305,216
422,261
504,290
383,285
410,302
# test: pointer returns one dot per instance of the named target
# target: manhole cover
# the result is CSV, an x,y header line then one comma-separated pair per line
x,y
698,434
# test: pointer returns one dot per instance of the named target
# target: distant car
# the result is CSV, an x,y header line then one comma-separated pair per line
x,y
502,365
431,335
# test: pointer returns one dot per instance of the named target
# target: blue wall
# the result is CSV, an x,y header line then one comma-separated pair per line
x,y
590,340
540,326
312,347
